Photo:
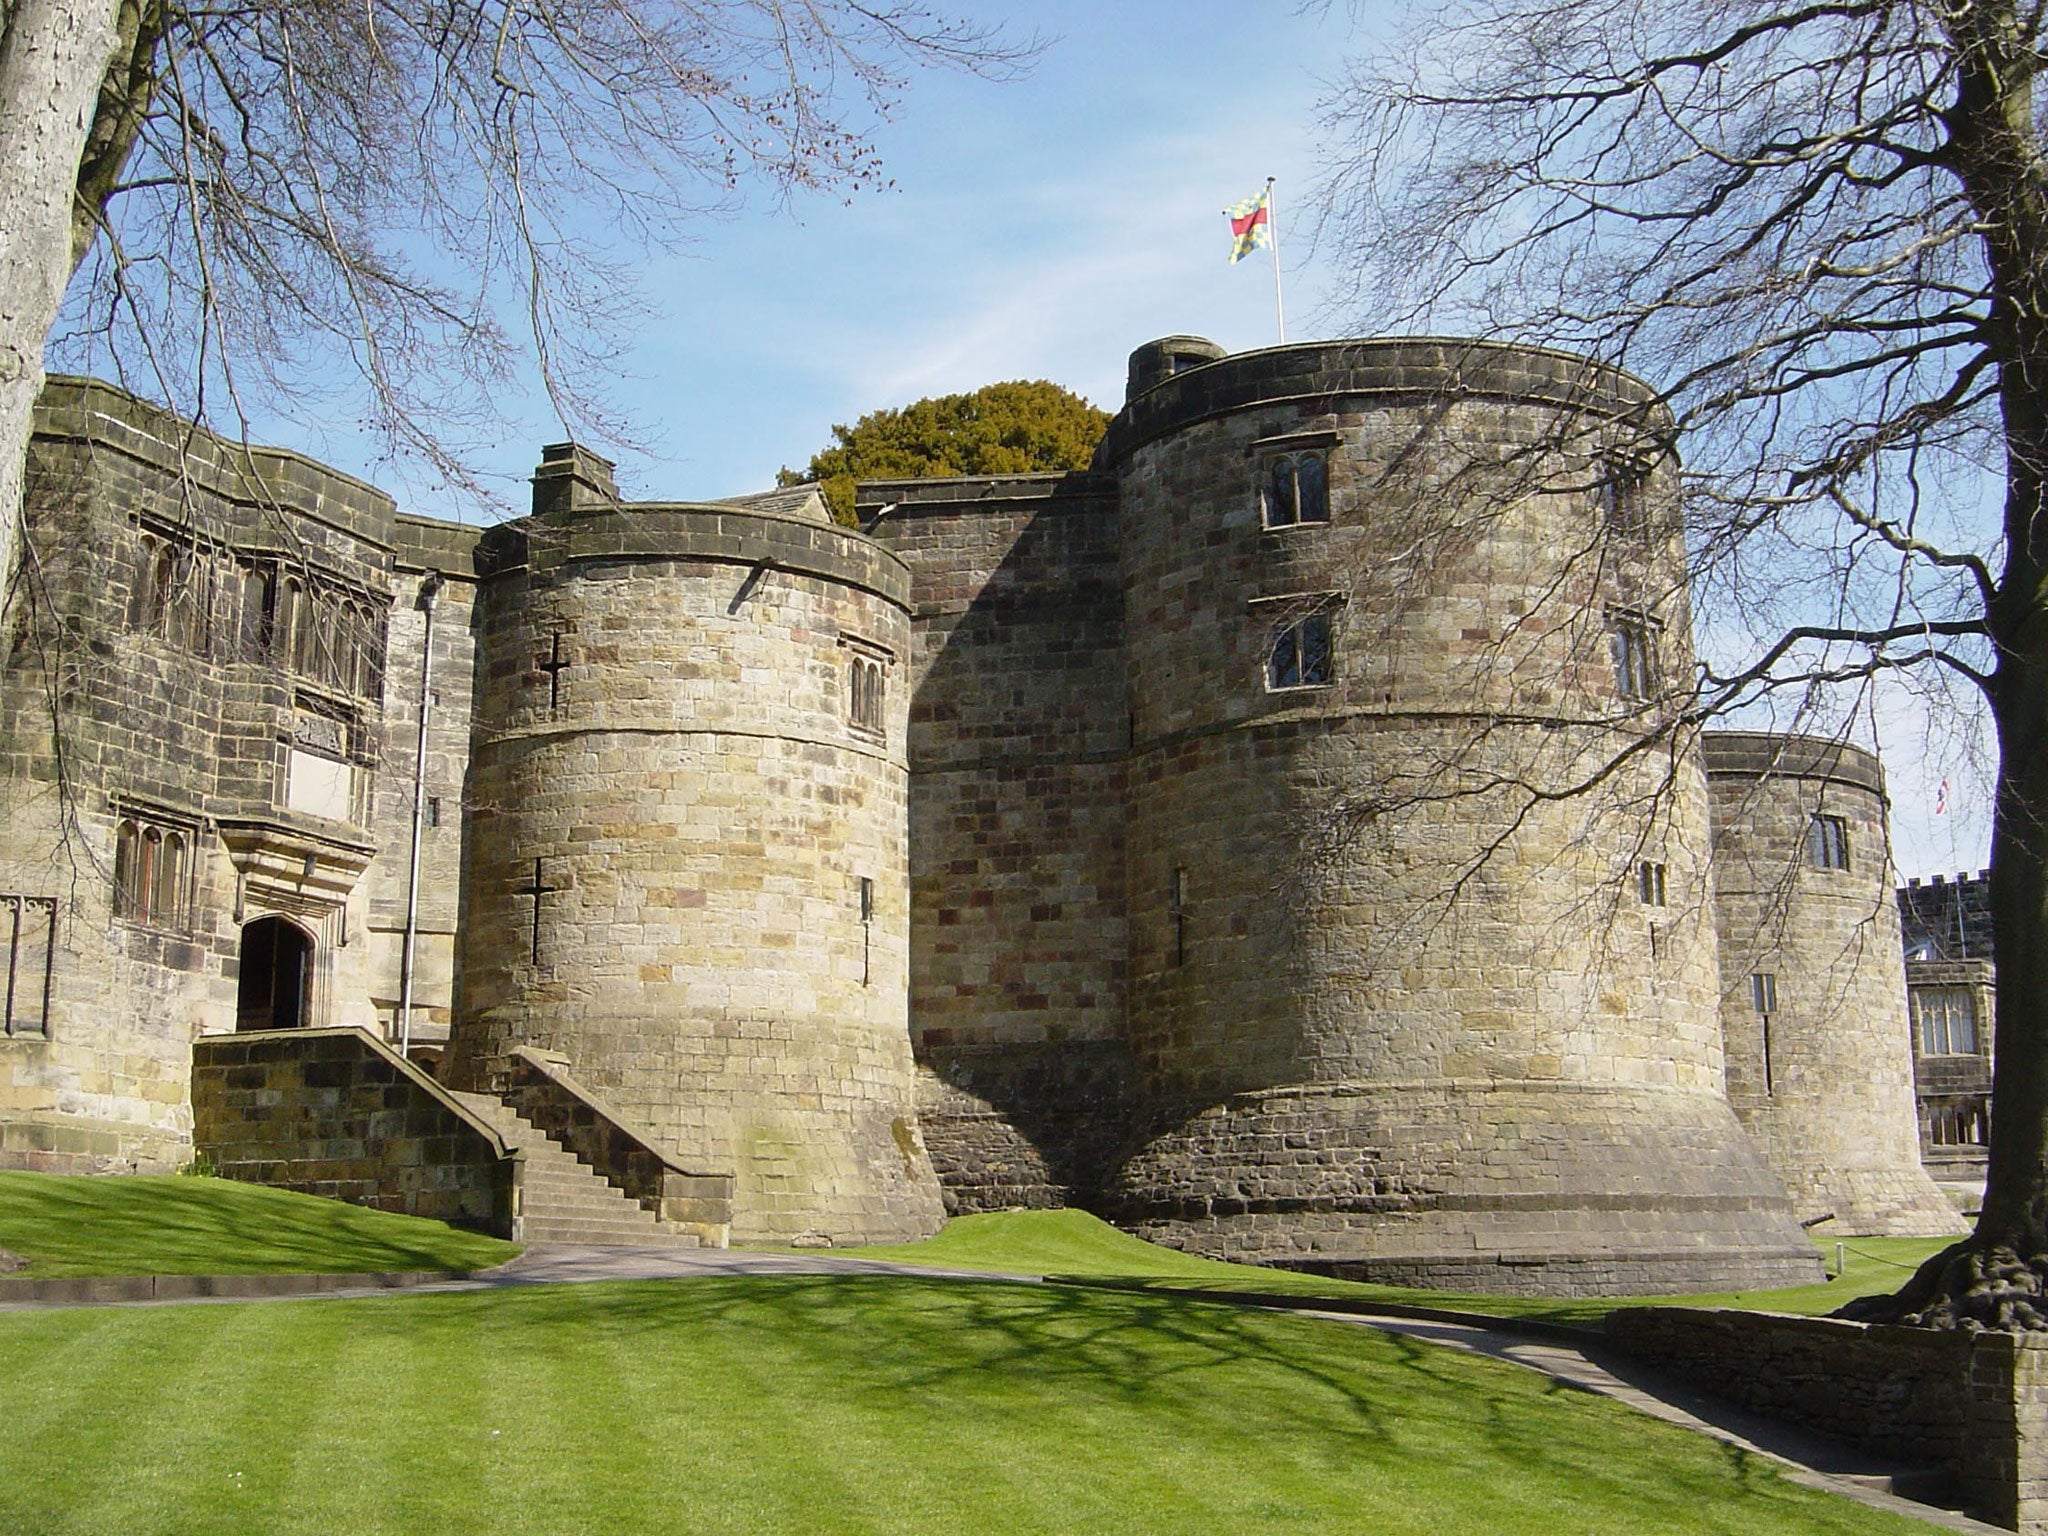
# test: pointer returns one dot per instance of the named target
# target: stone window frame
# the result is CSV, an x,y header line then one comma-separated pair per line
x,y
329,632
868,665
1287,454
1622,495
1827,842
1632,646
1935,1033
156,866
1301,616
25,1007
174,588
1964,1122
1763,993
1652,878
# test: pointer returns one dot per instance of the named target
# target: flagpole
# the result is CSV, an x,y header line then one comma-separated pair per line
x,y
1273,233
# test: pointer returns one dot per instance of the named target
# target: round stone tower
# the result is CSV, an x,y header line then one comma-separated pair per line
x,y
688,861
1813,983
1422,964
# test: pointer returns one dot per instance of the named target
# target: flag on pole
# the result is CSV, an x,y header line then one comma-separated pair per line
x,y
1251,225
1941,799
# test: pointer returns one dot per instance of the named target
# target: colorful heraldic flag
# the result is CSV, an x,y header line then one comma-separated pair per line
x,y
1251,225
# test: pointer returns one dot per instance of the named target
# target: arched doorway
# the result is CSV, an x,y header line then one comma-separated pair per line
x,y
277,974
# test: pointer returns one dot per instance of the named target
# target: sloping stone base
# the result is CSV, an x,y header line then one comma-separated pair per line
x,y
1528,1188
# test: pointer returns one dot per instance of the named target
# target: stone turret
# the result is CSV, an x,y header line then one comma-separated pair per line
x,y
1813,984
1397,1013
687,870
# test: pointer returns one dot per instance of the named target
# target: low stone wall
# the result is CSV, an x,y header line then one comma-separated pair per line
x,y
540,1088
338,1113
1975,1404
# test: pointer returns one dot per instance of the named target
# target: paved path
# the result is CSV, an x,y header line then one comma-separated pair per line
x,y
1808,1459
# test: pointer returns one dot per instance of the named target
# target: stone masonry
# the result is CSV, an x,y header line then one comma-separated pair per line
x,y
1185,838
1813,998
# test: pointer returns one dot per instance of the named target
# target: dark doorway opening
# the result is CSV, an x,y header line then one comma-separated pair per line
x,y
277,970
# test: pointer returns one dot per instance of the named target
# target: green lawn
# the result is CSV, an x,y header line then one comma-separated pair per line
x,y
827,1404
165,1225
1073,1243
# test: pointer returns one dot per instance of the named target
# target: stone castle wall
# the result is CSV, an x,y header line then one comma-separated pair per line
x,y
1389,1004
1825,1082
1018,732
1315,973
445,552
672,813
141,692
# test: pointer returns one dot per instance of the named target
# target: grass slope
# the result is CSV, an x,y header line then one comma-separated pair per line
x,y
1073,1243
165,1225
828,1404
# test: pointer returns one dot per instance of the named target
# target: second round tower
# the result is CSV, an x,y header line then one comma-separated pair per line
x,y
687,866
1422,962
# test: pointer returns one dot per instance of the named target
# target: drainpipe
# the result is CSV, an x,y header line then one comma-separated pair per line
x,y
429,590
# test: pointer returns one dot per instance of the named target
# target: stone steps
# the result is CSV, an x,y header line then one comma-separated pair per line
x,y
564,1200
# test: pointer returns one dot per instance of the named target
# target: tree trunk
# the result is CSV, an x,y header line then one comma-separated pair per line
x,y
53,57
1998,1276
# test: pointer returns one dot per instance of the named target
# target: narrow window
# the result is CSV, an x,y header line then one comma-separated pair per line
x,y
259,612
433,811
167,901
1827,843
1301,655
1650,883
1624,499
128,900
163,587
1631,646
146,873
1177,910
1763,993
143,610
867,929
865,696
1294,488
372,640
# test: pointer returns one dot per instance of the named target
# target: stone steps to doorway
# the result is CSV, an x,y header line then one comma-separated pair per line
x,y
564,1200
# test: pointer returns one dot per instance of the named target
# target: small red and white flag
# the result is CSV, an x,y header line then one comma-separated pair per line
x,y
1941,799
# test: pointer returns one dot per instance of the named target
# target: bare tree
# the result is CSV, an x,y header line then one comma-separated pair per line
x,y
240,194
1822,230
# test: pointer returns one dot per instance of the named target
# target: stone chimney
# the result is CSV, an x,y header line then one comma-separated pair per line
x,y
572,479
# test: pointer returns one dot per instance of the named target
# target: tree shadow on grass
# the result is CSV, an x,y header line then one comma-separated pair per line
x,y
1350,1397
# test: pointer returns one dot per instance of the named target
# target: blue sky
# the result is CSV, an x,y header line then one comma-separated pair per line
x,y
1039,228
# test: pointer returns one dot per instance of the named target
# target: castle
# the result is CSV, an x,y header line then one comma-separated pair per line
x,y
1270,838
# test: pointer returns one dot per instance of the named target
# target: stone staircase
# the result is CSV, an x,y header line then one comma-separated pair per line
x,y
565,1201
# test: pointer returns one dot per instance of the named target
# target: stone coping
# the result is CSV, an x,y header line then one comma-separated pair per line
x,y
550,546
1320,373
1770,754
105,415
1070,489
